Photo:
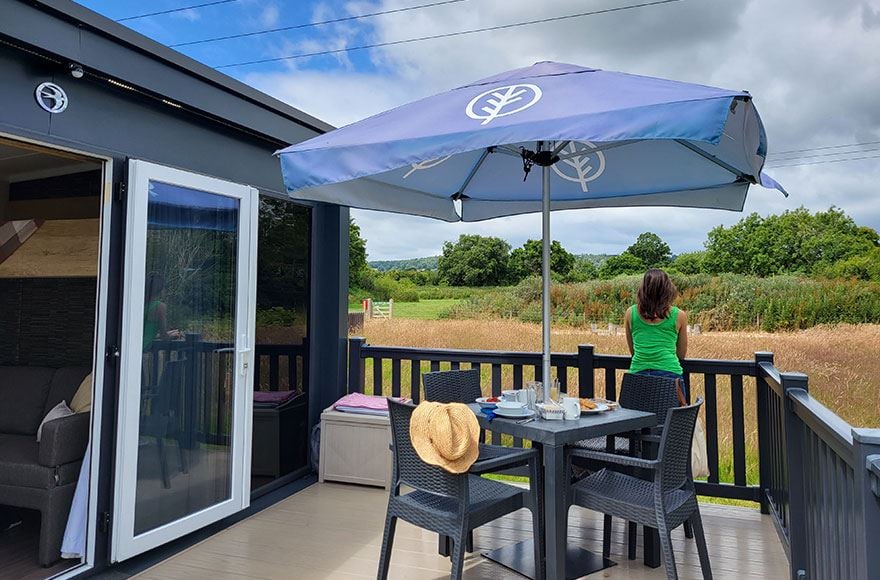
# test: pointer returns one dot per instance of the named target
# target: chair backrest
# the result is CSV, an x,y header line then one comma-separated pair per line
x,y
675,446
452,386
648,393
409,467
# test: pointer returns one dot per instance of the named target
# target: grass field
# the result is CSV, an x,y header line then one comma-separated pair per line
x,y
842,363
421,310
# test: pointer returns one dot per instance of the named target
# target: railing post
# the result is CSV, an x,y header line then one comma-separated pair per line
x,y
586,374
794,465
356,366
764,451
866,443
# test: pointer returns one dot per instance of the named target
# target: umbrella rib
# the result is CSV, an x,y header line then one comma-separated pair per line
x,y
472,173
724,165
605,147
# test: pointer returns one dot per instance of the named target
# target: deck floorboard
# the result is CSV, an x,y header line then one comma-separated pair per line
x,y
335,531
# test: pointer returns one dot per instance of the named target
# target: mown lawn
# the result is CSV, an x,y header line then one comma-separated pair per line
x,y
421,310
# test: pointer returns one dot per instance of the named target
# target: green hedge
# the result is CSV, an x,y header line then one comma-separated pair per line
x,y
725,302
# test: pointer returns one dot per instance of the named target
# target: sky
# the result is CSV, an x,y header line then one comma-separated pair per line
x,y
811,66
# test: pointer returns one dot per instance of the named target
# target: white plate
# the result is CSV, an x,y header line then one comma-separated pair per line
x,y
600,408
484,404
523,414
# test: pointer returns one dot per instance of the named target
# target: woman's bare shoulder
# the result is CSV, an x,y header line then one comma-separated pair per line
x,y
682,317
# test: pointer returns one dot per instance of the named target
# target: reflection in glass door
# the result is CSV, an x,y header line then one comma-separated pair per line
x,y
185,404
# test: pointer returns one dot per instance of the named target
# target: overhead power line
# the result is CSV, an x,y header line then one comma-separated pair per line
x,y
802,157
446,35
823,162
774,154
313,24
173,10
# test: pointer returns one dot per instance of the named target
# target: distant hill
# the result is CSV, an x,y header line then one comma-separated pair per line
x,y
596,259
429,263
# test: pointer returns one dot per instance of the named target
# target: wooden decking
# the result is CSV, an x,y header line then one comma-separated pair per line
x,y
335,531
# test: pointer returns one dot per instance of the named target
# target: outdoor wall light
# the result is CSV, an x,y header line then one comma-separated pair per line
x,y
76,70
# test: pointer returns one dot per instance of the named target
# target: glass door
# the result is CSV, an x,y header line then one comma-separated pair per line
x,y
184,422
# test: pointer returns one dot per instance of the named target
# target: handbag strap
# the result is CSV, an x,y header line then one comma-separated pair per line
x,y
682,401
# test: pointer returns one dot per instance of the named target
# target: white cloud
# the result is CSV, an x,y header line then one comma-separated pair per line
x,y
810,64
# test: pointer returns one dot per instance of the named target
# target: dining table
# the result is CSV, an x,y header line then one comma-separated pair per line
x,y
550,437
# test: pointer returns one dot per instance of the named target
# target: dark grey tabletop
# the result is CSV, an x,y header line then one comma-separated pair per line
x,y
565,432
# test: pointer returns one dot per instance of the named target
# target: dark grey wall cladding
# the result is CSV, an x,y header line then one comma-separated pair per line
x,y
120,123
47,322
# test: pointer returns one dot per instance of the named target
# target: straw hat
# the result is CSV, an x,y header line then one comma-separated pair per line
x,y
445,435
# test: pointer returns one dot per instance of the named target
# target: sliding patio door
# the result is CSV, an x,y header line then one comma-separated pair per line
x,y
183,445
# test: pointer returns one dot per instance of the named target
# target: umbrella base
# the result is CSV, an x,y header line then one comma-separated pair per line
x,y
521,559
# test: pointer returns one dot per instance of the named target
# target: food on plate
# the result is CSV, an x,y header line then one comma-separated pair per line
x,y
493,399
587,405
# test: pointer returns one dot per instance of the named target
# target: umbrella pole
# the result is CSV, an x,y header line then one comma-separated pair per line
x,y
545,278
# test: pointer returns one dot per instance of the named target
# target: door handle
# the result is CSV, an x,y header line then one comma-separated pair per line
x,y
245,357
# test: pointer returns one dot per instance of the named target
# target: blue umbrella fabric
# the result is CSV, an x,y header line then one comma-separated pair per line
x,y
614,139
601,139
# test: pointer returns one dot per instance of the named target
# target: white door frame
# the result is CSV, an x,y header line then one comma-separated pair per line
x,y
124,543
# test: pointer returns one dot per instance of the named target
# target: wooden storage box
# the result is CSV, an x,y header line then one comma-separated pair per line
x,y
355,449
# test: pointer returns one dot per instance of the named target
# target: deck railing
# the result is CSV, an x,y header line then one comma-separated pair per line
x,y
817,476
204,384
823,481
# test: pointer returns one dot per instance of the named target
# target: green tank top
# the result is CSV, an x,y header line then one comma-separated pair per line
x,y
654,344
151,324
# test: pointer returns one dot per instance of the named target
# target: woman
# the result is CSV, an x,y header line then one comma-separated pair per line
x,y
156,312
656,331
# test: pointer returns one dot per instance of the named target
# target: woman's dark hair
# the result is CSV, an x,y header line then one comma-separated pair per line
x,y
655,296
154,286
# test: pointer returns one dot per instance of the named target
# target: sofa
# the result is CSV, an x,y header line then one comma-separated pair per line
x,y
41,475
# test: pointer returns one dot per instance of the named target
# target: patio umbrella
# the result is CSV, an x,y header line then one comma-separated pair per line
x,y
600,139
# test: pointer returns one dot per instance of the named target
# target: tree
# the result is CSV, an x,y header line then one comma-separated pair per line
x,y
689,262
625,263
583,270
795,241
651,250
358,270
474,261
526,261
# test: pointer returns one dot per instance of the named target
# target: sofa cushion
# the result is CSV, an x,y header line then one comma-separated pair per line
x,y
19,465
65,382
23,394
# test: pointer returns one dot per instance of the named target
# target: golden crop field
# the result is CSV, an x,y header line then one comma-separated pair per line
x,y
842,362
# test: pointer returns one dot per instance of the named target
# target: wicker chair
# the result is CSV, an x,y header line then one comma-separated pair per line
x,y
463,386
652,394
666,502
648,393
446,503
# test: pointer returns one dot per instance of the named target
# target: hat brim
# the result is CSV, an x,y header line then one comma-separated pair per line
x,y
426,451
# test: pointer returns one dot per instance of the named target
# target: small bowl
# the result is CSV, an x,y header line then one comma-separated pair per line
x,y
510,405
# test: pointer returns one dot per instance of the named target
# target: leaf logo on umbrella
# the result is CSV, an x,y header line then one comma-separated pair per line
x,y
502,101
426,164
580,163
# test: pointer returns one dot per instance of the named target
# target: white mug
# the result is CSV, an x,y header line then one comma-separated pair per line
x,y
571,406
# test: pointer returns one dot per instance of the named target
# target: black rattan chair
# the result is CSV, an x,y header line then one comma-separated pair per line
x,y
463,386
446,503
648,393
665,502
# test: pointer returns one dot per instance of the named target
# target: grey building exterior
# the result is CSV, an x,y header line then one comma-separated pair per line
x,y
141,100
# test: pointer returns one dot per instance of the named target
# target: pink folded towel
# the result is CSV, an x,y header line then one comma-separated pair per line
x,y
276,397
365,402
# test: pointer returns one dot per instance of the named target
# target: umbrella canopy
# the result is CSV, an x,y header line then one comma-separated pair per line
x,y
623,140
601,139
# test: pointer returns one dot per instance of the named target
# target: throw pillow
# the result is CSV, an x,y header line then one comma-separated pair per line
x,y
82,400
57,412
